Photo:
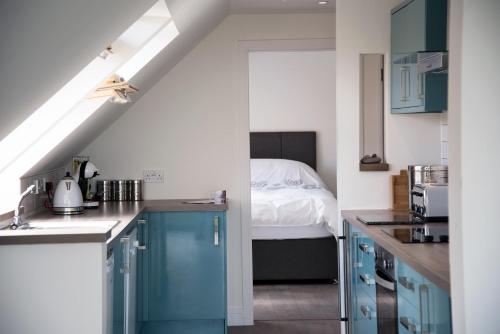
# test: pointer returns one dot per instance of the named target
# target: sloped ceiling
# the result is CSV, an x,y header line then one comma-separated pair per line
x,y
194,20
45,43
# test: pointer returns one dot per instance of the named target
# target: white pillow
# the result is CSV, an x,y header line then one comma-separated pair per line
x,y
281,173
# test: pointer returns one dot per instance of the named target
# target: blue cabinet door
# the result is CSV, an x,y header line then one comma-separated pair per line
x,y
408,28
436,309
186,267
362,293
422,306
419,25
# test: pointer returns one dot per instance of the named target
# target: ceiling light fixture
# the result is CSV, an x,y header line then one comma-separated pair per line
x,y
106,52
322,2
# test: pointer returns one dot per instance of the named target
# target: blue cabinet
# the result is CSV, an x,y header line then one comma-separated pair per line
x,y
418,26
361,272
422,306
184,273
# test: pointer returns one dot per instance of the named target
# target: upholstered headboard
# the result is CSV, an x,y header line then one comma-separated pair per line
x,y
299,146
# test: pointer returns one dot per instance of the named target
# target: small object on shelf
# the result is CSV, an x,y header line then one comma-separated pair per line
x,y
220,197
371,159
372,163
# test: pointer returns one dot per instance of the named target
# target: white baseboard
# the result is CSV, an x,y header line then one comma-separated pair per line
x,y
236,316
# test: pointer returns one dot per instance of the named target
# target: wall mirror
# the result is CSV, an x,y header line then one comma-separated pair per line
x,y
372,113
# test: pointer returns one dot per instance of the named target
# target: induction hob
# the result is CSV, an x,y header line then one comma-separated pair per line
x,y
420,234
388,218
397,218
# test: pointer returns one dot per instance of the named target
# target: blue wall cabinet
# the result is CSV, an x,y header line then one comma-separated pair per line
x,y
418,26
362,295
422,306
184,273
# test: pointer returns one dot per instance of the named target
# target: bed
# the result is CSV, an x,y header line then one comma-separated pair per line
x,y
293,214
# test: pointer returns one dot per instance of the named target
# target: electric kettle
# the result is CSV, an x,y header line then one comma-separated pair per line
x,y
68,198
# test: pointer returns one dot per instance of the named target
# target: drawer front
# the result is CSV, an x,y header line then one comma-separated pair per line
x,y
408,282
366,315
408,317
365,252
365,273
365,280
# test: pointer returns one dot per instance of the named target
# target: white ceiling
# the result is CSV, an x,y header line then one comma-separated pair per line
x,y
279,6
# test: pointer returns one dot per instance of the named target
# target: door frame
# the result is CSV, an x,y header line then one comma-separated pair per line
x,y
243,114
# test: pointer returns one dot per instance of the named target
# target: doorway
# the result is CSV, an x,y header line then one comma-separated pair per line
x,y
292,91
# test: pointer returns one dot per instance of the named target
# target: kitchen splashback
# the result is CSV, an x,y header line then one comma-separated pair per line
x,y
34,203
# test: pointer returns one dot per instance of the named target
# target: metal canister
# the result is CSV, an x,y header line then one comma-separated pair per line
x,y
114,190
121,190
128,189
136,190
104,190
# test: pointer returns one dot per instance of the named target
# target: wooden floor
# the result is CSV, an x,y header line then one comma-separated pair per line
x,y
297,308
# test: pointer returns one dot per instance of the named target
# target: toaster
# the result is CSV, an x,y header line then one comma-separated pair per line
x,y
429,201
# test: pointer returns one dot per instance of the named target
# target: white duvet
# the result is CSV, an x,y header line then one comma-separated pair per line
x,y
289,193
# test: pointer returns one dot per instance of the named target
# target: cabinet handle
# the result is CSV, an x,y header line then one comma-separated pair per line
x,y
420,79
125,245
365,248
216,231
144,223
404,83
365,278
367,312
425,323
357,263
412,328
406,283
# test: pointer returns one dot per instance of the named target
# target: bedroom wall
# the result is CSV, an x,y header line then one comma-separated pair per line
x,y
363,26
187,124
295,91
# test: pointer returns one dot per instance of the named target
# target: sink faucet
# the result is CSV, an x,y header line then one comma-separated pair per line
x,y
17,221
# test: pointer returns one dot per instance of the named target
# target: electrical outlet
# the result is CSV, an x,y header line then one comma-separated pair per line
x,y
153,175
38,187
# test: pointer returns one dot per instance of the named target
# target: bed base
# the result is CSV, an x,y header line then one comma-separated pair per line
x,y
295,260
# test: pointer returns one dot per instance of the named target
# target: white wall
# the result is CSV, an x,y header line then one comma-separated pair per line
x,y
474,134
295,91
363,26
188,125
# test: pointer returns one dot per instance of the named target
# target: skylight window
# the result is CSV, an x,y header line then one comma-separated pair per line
x,y
69,107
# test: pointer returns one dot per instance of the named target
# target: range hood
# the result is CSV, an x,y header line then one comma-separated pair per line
x,y
436,62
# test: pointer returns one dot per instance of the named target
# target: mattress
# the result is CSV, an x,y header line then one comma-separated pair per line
x,y
292,210
289,232
290,201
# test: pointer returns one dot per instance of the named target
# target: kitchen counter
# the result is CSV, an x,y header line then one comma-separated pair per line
x,y
123,212
430,260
